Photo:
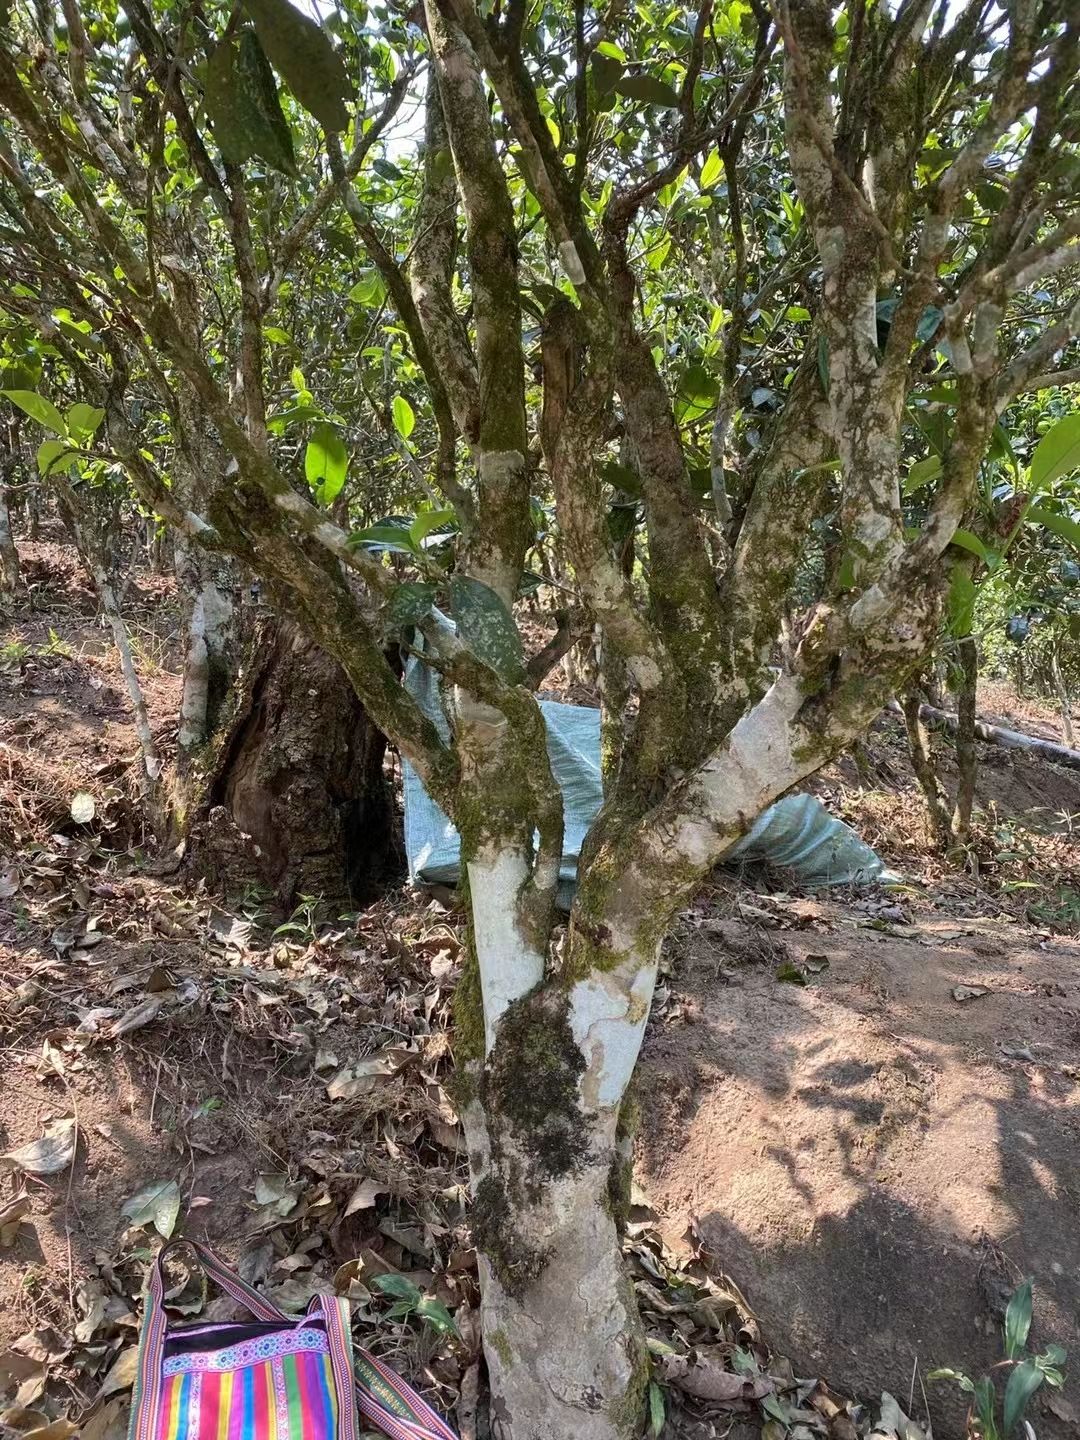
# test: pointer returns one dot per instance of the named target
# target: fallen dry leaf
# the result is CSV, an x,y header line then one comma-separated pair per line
x,y
53,1152
42,1344
156,1204
138,1017
51,1430
23,1376
22,1420
108,1423
364,1196
122,1375
12,1216
361,1077
705,1377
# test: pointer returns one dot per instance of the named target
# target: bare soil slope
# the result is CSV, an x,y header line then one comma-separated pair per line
x,y
879,1155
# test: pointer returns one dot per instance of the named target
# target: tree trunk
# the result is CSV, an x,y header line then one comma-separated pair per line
x,y
9,556
922,762
205,584
91,536
299,771
563,1339
967,760
1064,698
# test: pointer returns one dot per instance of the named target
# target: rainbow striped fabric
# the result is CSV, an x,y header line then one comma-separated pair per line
x,y
281,1378
225,1395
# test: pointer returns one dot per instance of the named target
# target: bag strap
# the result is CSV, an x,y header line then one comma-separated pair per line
x,y
382,1397
361,1380
146,1391
395,1407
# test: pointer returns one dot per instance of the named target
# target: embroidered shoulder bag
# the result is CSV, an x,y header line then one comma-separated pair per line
x,y
280,1378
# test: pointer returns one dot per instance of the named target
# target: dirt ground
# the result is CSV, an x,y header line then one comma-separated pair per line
x,y
876,1162
871,1161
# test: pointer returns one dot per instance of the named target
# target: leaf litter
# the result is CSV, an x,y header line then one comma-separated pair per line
x,y
329,1055
368,1195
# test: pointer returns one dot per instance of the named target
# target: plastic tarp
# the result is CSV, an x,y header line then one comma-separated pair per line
x,y
797,834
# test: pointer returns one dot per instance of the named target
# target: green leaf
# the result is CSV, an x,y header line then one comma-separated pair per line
x,y
384,537
656,1408
38,408
1050,1362
711,170
276,335
48,457
437,1315
399,1285
369,289
300,51
606,73
404,418
922,473
1023,1382
1056,454
326,462
960,602
427,521
1018,1321
648,89
698,390
83,420
985,1401
487,627
969,541
294,415
243,105
956,1376
621,477
1061,525
156,1204
410,603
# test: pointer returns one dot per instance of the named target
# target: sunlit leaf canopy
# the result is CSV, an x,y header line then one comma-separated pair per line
x,y
182,118
725,264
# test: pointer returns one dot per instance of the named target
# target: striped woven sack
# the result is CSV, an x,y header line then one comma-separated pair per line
x,y
279,1378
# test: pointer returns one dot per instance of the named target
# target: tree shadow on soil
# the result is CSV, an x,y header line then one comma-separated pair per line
x,y
869,1162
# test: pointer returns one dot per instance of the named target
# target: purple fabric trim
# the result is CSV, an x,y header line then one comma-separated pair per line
x,y
249,1352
